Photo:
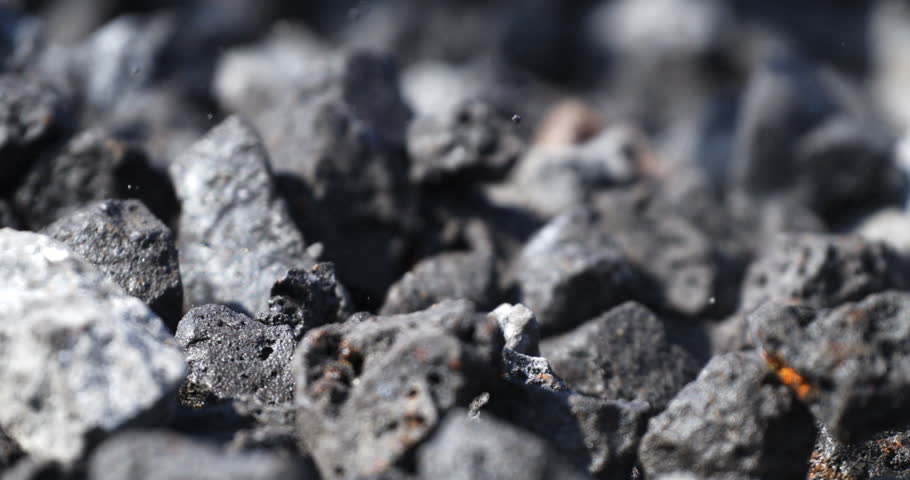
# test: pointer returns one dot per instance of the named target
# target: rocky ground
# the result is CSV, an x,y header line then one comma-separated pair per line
x,y
424,240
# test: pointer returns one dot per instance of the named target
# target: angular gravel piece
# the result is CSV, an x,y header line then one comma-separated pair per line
x,y
132,247
84,357
820,271
622,354
308,298
231,355
519,328
92,166
851,365
447,276
596,435
235,236
570,270
372,388
733,421
162,455
486,448
475,143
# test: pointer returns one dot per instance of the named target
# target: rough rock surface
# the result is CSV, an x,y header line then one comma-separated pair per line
x,y
519,328
85,357
372,388
308,298
447,276
622,354
91,166
486,448
569,271
734,421
475,143
849,364
231,355
162,455
235,236
132,247
886,456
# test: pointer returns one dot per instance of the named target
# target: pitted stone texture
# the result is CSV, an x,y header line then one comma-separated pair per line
x,y
235,237
79,356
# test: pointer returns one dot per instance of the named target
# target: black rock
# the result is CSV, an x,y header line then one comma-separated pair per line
x,y
622,354
849,364
474,144
92,166
595,435
886,456
309,298
33,116
570,270
160,455
235,235
821,271
132,247
371,389
447,276
485,448
734,421
231,355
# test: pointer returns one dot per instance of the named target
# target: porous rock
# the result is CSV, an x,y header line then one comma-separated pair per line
x,y
132,247
621,354
231,355
849,364
734,421
371,389
85,358
235,235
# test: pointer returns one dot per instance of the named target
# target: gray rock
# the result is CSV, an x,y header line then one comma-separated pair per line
x,y
570,270
885,456
446,276
530,370
85,358
161,455
733,421
622,354
595,435
92,166
519,327
231,355
371,389
849,364
31,115
486,448
474,143
132,247
21,37
308,298
821,271
235,237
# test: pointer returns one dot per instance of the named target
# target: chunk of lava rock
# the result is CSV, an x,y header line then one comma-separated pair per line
x,y
91,167
476,143
569,271
309,298
821,271
82,358
31,116
885,456
596,435
371,389
851,365
231,355
622,354
447,276
485,448
161,455
235,237
519,328
132,247
734,421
